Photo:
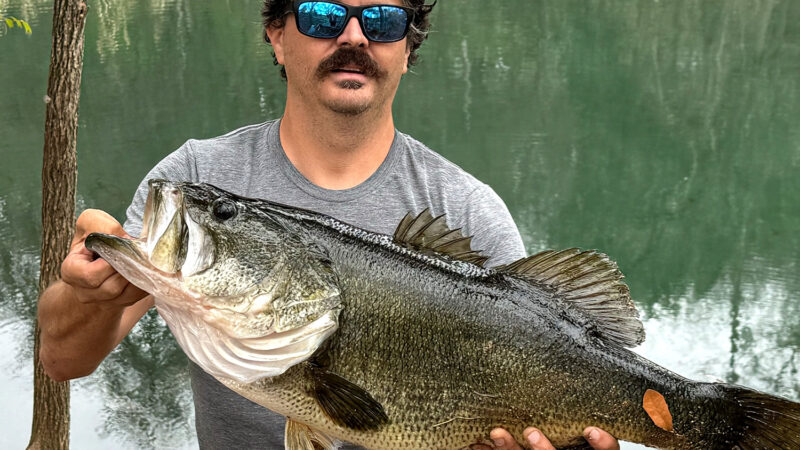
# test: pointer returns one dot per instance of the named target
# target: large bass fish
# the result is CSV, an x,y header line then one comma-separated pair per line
x,y
407,341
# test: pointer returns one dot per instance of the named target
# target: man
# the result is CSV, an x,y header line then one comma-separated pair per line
x,y
335,150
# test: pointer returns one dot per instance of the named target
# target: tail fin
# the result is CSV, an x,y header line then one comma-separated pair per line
x,y
768,422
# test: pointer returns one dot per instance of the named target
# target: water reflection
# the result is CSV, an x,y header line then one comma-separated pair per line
x,y
145,383
19,264
659,132
717,339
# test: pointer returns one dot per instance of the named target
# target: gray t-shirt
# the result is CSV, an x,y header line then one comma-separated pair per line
x,y
251,162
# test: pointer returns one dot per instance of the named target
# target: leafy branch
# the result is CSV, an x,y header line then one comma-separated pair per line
x,y
11,22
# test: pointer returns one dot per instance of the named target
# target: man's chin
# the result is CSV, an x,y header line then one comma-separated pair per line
x,y
348,108
351,100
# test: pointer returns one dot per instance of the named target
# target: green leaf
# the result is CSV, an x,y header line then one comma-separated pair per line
x,y
11,21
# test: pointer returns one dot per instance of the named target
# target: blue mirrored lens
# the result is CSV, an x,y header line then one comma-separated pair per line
x,y
384,23
321,19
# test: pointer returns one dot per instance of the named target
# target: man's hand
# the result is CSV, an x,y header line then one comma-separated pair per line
x,y
86,313
597,438
93,279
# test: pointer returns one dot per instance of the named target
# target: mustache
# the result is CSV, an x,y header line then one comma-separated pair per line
x,y
349,56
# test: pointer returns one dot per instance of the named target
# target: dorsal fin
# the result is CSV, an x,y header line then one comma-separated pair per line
x,y
592,283
427,234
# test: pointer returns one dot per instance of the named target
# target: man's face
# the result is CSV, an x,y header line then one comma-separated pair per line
x,y
348,74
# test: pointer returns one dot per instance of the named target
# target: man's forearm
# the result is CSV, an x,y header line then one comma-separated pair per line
x,y
76,337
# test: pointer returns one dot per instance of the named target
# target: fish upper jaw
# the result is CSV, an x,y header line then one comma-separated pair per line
x,y
163,225
174,241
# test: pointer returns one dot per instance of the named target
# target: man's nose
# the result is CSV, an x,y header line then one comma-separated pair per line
x,y
352,35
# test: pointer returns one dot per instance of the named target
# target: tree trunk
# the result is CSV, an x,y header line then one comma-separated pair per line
x,y
50,428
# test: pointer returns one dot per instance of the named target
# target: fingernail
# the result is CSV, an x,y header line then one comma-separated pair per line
x,y
533,438
592,435
499,442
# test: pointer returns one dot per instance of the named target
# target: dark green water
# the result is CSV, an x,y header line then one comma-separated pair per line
x,y
662,133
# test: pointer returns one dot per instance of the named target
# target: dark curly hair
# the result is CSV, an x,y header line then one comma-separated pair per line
x,y
275,11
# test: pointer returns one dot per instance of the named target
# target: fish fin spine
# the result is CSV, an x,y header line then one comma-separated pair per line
x,y
589,281
428,234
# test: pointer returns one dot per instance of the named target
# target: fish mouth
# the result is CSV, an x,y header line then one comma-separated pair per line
x,y
172,243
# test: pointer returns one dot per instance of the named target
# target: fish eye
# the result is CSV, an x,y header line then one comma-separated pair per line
x,y
223,209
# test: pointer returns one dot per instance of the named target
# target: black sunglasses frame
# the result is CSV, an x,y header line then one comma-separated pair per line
x,y
353,11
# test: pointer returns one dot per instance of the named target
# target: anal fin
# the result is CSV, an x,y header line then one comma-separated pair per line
x,y
300,436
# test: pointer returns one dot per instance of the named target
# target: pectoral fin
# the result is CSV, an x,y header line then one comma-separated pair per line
x,y
300,436
347,404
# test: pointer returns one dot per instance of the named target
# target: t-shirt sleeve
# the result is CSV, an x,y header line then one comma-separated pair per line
x,y
493,229
177,166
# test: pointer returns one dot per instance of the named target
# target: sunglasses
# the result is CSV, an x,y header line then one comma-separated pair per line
x,y
326,20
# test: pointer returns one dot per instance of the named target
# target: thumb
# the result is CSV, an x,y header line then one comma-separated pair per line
x,y
96,221
599,439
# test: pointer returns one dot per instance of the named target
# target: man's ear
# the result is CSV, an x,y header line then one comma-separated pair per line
x,y
405,62
275,35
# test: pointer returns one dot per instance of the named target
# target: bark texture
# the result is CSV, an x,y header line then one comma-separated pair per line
x,y
50,429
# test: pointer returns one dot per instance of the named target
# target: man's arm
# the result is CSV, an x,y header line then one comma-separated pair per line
x,y
85,315
89,311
